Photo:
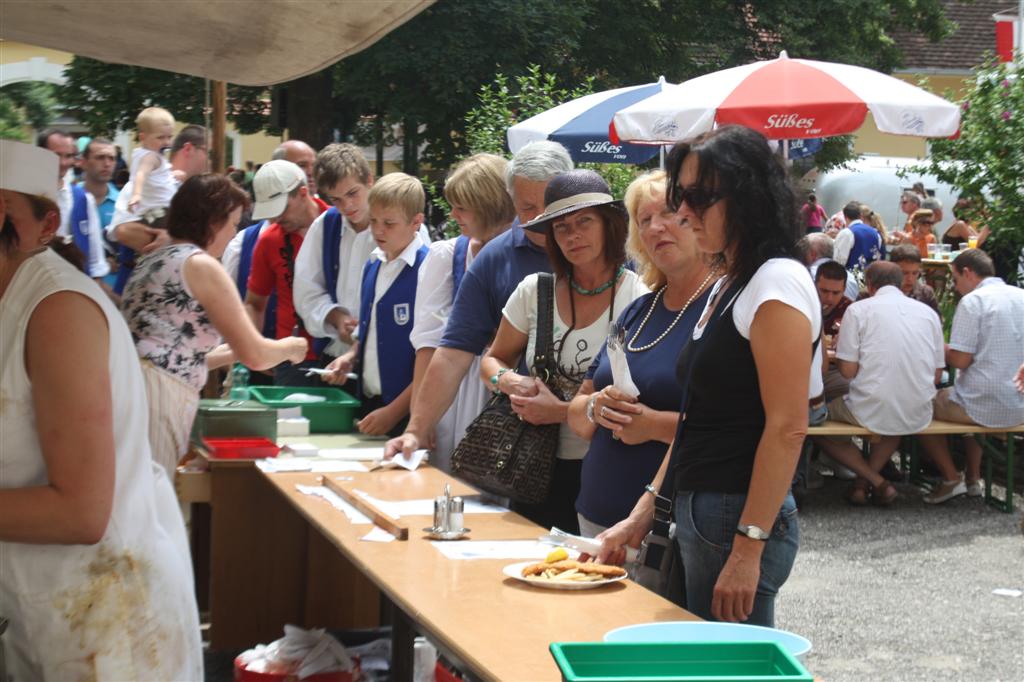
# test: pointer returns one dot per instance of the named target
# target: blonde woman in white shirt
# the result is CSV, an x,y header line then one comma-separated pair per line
x,y
482,208
586,235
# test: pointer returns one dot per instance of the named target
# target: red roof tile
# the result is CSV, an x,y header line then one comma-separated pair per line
x,y
973,39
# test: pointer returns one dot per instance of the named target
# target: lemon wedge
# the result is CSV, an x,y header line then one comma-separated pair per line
x,y
557,555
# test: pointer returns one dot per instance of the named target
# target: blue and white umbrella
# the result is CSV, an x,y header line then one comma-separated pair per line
x,y
581,125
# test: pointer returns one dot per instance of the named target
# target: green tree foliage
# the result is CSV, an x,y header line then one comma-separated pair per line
x,y
425,75
107,97
26,104
985,162
503,104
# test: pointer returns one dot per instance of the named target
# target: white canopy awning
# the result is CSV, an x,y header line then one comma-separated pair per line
x,y
247,42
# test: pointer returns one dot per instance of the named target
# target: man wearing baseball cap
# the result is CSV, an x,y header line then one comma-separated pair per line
x,y
283,198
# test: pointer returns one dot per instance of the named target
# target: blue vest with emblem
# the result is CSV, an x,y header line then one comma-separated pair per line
x,y
459,263
866,242
250,236
79,223
330,257
393,317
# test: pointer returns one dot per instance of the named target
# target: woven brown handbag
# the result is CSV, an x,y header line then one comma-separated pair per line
x,y
501,453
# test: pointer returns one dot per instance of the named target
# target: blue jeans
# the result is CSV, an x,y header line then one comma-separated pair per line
x,y
705,528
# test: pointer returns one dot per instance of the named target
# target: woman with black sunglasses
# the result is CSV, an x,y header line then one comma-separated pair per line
x,y
746,374
586,244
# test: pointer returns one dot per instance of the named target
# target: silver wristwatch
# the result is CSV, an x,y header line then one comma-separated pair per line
x,y
752,532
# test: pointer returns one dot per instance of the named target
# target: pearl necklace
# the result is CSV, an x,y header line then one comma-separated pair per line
x,y
654,304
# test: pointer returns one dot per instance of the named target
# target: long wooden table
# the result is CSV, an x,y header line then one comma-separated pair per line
x,y
312,568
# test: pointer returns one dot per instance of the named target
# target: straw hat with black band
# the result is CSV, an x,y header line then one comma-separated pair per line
x,y
570,192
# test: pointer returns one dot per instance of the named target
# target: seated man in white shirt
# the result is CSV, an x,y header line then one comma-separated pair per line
x,y
986,345
890,348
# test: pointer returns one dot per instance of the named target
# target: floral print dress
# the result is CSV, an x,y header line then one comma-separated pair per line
x,y
169,326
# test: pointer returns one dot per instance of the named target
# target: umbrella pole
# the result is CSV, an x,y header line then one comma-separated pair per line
x,y
661,157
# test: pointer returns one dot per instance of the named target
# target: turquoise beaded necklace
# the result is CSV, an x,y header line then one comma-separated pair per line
x,y
596,290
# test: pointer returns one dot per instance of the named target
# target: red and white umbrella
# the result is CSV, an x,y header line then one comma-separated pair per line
x,y
787,99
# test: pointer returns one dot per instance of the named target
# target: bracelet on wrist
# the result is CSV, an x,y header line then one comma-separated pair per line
x,y
651,489
495,378
591,403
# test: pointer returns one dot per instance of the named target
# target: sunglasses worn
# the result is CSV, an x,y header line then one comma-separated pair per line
x,y
696,197
925,222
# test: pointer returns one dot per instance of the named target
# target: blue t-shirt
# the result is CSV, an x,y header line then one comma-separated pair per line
x,y
106,207
492,277
614,474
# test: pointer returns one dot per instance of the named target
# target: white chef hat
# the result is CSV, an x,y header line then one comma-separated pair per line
x,y
28,169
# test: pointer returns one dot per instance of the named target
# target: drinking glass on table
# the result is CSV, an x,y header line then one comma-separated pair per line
x,y
947,251
963,246
932,250
972,242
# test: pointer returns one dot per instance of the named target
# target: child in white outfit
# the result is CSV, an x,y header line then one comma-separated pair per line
x,y
152,182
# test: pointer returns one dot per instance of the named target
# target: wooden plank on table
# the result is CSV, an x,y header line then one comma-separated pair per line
x,y
388,523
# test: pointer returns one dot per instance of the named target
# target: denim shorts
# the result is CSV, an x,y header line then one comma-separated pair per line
x,y
705,528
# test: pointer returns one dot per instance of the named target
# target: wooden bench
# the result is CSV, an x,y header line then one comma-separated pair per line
x,y
910,456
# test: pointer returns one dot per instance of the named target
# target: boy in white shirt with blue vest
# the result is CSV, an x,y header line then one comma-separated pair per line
x,y
382,354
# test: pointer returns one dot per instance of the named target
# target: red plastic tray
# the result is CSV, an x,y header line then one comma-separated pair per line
x,y
243,675
241,448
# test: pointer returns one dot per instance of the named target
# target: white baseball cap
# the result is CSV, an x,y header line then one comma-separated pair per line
x,y
272,184
28,169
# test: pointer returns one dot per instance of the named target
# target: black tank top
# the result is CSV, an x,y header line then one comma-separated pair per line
x,y
724,418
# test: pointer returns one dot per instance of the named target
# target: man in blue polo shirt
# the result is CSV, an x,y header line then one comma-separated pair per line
x,y
495,273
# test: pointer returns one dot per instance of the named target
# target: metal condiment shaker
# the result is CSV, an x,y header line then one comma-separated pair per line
x,y
455,508
441,521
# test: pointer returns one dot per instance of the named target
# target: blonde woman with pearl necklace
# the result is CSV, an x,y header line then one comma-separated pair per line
x,y
628,437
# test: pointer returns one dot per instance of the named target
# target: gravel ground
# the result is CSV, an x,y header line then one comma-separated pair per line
x,y
905,593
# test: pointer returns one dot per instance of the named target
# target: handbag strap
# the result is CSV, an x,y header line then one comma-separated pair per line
x,y
543,355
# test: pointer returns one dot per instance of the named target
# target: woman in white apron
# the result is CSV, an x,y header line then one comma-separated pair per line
x,y
95,574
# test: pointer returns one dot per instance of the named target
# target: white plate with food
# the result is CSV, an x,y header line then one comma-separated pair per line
x,y
564,575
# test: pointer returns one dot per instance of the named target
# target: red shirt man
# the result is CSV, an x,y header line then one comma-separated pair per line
x,y
282,195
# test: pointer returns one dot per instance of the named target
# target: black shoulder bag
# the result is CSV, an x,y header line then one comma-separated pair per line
x,y
501,453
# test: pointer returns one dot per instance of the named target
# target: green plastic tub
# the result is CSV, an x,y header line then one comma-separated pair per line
x,y
677,662
334,415
223,418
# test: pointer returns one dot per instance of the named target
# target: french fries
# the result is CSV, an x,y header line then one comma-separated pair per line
x,y
572,571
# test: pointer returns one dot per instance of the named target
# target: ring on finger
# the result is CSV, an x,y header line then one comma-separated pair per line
x,y
604,410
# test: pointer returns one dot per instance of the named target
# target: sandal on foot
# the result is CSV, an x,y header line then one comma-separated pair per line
x,y
857,495
883,495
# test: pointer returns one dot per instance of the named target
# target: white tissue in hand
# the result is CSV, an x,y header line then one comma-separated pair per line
x,y
621,378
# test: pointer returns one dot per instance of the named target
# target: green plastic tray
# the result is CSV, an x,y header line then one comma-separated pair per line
x,y
223,418
677,662
334,415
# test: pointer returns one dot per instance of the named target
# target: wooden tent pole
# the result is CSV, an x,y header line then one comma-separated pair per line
x,y
218,157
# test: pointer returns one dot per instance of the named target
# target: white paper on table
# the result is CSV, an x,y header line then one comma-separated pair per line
x,y
399,508
1006,592
289,412
278,465
356,454
317,466
335,500
400,460
378,534
494,549
301,449
621,378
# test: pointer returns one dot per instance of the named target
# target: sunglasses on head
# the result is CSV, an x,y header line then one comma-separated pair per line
x,y
696,197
